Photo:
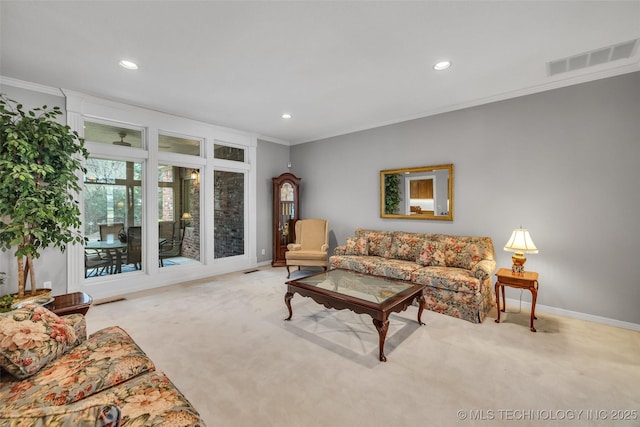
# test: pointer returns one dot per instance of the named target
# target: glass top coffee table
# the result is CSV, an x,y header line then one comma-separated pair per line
x,y
360,293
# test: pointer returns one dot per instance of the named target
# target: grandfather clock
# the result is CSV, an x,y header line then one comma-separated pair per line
x,y
286,211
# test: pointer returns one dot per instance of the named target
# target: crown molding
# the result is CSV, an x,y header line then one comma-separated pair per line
x,y
563,80
274,140
9,81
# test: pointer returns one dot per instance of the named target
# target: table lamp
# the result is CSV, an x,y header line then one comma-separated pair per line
x,y
520,243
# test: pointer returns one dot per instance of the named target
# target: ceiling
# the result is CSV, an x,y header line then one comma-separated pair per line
x,y
337,67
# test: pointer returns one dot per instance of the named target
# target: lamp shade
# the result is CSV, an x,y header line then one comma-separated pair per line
x,y
521,242
186,215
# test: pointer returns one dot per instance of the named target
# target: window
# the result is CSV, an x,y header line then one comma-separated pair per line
x,y
228,200
225,152
174,144
146,173
113,134
178,215
113,209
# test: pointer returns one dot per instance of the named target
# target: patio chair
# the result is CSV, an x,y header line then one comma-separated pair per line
x,y
134,246
113,229
116,229
170,240
95,264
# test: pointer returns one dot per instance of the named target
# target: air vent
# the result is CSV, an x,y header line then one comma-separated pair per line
x,y
595,57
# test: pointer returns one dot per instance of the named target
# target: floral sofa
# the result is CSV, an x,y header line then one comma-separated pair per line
x,y
456,270
53,375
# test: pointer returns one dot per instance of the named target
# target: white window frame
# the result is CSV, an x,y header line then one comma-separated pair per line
x,y
81,106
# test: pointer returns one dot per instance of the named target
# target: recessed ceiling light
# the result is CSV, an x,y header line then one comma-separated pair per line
x,y
442,65
286,116
128,65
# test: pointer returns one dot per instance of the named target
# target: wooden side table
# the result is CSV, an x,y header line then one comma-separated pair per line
x,y
525,280
76,302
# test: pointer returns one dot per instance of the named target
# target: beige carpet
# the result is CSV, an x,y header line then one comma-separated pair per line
x,y
225,344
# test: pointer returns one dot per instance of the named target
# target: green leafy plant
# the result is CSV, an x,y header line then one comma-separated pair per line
x,y
391,193
5,303
39,159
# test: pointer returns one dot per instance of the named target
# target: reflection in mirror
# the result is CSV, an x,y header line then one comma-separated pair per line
x,y
417,193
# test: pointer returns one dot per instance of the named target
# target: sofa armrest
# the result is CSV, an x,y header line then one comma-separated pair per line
x,y
325,248
91,413
483,269
294,247
340,250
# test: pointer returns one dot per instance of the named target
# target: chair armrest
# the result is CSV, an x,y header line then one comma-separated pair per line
x,y
294,247
340,250
483,269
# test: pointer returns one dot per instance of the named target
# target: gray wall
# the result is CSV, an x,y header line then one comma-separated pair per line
x,y
562,163
52,264
272,161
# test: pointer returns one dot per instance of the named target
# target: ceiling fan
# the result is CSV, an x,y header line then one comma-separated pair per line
x,y
122,142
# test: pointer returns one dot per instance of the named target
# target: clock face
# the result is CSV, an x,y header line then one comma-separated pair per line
x,y
286,192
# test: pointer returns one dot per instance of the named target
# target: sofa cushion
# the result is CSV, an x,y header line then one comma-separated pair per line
x,y
431,254
357,246
306,255
375,265
406,246
107,358
391,268
379,241
450,278
31,337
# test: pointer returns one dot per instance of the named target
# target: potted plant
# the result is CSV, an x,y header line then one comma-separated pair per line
x,y
39,159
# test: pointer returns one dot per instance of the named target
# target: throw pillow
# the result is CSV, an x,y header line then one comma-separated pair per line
x,y
31,337
432,254
406,246
462,255
379,243
357,246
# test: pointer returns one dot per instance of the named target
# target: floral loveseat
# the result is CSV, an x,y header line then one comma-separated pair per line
x,y
53,375
456,270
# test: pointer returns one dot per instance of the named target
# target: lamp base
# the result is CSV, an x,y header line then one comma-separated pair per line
x,y
518,259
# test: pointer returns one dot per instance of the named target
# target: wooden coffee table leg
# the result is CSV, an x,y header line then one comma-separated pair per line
x,y
287,300
382,328
422,302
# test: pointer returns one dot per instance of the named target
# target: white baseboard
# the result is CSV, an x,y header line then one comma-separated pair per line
x,y
575,315
264,263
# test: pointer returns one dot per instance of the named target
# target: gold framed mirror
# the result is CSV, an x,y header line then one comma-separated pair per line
x,y
424,192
